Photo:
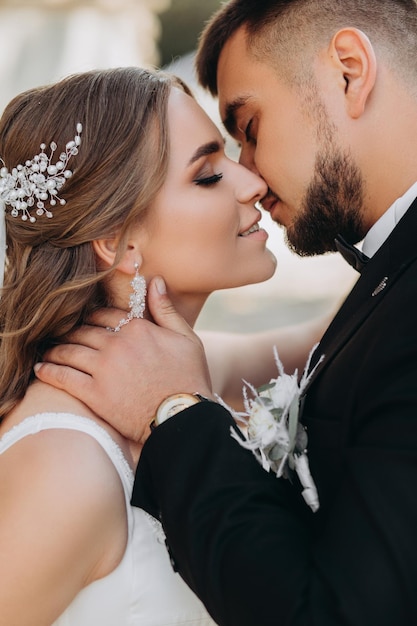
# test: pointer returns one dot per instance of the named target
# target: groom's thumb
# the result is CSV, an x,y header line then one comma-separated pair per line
x,y
162,309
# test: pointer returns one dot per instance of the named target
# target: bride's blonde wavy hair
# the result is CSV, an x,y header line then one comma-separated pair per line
x,y
52,282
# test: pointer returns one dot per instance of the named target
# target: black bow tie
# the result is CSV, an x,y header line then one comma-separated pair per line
x,y
352,255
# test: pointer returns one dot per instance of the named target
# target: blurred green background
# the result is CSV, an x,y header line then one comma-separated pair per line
x,y
181,25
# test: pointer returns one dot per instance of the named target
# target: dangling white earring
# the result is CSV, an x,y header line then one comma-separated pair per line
x,y
136,301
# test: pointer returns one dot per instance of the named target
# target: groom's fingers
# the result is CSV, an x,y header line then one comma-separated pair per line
x,y
124,376
81,357
75,382
163,311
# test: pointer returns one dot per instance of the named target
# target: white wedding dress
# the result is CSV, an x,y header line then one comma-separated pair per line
x,y
143,589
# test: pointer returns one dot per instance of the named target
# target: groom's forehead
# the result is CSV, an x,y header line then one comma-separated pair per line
x,y
243,81
234,76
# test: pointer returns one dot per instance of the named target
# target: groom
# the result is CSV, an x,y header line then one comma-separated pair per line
x,y
322,96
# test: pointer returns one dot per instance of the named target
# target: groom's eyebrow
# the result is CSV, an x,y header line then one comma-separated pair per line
x,y
206,149
229,120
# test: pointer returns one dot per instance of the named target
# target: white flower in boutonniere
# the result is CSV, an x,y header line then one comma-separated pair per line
x,y
274,434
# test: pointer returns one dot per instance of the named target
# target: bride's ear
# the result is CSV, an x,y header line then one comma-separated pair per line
x,y
106,249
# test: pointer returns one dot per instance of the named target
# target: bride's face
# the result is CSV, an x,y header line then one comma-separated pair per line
x,y
201,233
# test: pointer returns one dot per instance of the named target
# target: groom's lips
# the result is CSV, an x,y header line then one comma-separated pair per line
x,y
269,203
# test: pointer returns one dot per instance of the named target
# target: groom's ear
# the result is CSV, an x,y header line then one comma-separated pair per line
x,y
354,58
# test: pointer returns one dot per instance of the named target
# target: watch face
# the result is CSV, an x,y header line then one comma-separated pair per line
x,y
173,405
177,407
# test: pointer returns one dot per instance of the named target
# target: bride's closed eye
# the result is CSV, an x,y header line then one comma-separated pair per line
x,y
208,180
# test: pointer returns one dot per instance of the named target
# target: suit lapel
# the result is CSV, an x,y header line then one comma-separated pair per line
x,y
374,284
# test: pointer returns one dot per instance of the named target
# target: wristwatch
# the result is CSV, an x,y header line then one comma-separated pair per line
x,y
173,405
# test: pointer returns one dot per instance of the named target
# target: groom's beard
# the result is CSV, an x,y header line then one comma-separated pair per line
x,y
334,201
333,205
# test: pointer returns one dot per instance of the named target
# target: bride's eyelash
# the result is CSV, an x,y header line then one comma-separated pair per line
x,y
209,180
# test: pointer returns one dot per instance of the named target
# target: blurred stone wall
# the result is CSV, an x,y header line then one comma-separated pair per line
x,y
44,40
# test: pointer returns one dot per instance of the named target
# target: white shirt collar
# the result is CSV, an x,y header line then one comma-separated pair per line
x,y
381,230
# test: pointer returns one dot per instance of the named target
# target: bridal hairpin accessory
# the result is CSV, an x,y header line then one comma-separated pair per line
x,y
34,183
38,181
136,300
274,434
2,241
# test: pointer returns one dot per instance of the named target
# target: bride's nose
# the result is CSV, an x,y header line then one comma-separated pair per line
x,y
251,187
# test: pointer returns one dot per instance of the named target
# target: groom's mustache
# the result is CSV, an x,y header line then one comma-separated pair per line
x,y
269,199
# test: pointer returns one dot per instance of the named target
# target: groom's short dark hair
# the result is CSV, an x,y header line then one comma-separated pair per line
x,y
278,31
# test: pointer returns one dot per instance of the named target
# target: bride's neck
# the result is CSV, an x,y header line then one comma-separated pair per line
x,y
189,306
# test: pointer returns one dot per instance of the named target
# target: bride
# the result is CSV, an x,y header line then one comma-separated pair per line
x,y
107,179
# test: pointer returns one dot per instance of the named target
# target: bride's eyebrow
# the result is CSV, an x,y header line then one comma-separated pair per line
x,y
206,149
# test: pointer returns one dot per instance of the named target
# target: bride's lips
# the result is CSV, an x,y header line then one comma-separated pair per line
x,y
254,232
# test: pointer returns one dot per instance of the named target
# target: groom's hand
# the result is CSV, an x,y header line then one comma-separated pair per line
x,y
124,376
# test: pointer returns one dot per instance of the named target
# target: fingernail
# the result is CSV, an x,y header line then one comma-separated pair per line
x,y
160,285
37,367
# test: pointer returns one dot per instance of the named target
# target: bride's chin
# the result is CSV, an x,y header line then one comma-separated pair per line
x,y
268,269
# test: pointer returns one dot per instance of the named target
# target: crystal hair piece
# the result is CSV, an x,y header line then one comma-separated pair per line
x,y
38,181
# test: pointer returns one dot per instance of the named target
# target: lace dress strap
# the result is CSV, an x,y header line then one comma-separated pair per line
x,y
45,421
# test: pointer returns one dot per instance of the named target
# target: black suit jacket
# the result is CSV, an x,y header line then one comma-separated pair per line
x,y
245,541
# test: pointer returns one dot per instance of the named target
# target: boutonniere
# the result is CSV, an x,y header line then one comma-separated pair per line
x,y
274,433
